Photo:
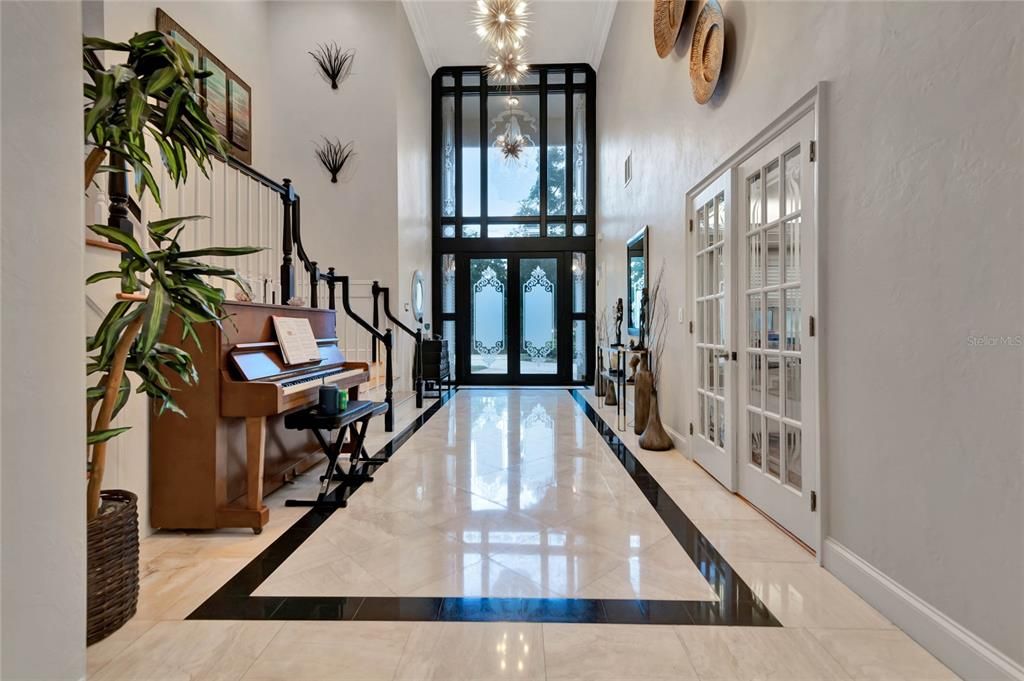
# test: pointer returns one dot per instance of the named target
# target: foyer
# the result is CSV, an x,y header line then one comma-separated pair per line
x,y
461,340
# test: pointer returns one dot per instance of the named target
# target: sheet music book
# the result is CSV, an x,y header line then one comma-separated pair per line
x,y
298,344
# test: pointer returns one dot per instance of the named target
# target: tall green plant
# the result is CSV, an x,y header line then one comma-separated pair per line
x,y
152,94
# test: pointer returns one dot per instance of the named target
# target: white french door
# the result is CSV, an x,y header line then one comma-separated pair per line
x,y
713,435
776,284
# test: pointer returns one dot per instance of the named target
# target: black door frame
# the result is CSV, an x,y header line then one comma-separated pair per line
x,y
513,320
453,82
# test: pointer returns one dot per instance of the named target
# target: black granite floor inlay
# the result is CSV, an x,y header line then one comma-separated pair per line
x,y
737,604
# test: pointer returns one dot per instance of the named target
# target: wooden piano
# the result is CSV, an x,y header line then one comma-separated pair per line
x,y
212,469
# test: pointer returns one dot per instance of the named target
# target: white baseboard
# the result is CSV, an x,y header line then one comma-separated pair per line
x,y
962,651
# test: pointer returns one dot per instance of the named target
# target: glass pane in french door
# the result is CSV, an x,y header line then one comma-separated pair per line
x,y
712,322
538,346
488,296
773,279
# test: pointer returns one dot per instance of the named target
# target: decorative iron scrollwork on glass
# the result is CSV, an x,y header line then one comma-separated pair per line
x,y
531,349
448,157
538,277
579,155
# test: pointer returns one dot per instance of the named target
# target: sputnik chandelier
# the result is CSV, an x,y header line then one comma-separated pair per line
x,y
513,139
502,24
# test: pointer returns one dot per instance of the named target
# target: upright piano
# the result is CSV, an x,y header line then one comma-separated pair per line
x,y
212,468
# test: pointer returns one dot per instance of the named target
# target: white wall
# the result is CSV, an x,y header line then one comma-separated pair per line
x,y
374,223
921,249
41,319
413,126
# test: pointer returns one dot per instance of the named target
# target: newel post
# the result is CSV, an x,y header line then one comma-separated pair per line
x,y
287,241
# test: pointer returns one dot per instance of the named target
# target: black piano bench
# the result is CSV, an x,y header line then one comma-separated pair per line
x,y
354,421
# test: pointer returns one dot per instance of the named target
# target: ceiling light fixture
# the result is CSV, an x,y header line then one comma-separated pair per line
x,y
501,23
507,66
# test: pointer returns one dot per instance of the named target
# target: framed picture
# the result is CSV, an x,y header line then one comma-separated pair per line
x,y
226,98
239,114
215,90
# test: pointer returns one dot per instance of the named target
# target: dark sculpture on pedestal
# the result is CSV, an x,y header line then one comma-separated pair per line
x,y
618,324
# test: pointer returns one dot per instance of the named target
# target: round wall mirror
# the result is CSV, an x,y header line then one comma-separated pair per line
x,y
417,295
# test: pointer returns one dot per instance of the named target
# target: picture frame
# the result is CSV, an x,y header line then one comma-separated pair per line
x,y
225,97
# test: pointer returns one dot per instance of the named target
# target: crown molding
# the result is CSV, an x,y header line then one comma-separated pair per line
x,y
603,17
414,13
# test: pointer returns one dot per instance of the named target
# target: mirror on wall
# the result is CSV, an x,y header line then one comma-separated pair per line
x,y
418,296
636,277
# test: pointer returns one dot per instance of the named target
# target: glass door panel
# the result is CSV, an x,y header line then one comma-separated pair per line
x,y
538,347
488,295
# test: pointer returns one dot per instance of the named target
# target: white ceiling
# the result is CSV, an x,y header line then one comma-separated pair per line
x,y
561,31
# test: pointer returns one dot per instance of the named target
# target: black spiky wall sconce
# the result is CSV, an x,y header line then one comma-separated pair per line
x,y
334,63
334,156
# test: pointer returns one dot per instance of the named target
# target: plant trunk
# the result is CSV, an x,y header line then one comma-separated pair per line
x,y
99,450
92,164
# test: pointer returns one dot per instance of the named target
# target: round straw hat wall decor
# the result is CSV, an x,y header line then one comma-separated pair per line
x,y
668,19
706,50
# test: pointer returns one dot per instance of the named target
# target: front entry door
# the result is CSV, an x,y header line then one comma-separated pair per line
x,y
516,323
778,457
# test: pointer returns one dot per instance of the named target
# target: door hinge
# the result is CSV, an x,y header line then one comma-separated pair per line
x,y
812,151
814,501
691,326
811,326
691,224
691,427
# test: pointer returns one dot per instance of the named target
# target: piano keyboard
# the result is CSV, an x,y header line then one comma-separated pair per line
x,y
297,385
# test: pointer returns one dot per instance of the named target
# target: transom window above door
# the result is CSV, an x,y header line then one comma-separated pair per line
x,y
514,162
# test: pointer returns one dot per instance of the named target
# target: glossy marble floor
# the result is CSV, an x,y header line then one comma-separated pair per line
x,y
507,494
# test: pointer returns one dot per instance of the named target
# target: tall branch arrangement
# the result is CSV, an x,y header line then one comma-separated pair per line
x,y
334,63
657,325
151,95
334,155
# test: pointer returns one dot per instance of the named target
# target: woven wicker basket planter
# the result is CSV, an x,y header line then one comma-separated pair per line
x,y
113,566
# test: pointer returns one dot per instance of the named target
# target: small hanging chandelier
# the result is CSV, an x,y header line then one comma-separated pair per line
x,y
512,140
501,23
508,66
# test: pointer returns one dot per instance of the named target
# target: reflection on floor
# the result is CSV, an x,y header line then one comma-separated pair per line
x,y
506,492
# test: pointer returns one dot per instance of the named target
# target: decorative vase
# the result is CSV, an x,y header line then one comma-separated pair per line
x,y
642,396
112,565
599,384
654,437
610,396
633,362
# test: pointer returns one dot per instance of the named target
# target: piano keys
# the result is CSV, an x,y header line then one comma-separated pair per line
x,y
213,468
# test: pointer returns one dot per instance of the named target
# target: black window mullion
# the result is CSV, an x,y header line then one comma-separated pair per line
x,y
458,157
570,148
543,123
484,96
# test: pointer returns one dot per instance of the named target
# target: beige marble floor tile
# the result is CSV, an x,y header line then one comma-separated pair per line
x,y
807,595
174,593
699,504
485,579
338,577
178,651
662,572
882,655
464,651
753,541
559,567
99,654
358,528
408,563
621,531
553,505
342,651
614,652
758,654
440,505
491,531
